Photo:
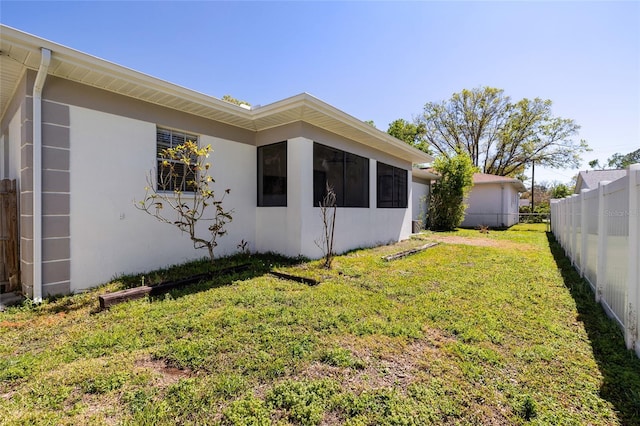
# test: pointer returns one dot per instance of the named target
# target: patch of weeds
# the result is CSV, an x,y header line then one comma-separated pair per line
x,y
105,383
303,401
228,386
302,347
51,396
16,367
383,406
340,357
137,400
526,408
247,411
184,354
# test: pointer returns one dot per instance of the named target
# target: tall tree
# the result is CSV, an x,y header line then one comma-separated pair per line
x,y
501,137
411,133
620,161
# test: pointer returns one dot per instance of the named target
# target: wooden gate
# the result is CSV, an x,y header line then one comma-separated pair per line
x,y
10,268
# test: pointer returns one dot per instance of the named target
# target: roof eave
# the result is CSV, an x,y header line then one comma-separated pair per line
x,y
68,61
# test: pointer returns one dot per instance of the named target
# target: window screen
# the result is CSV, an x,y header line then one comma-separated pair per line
x,y
392,186
272,175
346,173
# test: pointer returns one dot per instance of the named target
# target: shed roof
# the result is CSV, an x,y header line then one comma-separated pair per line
x,y
485,178
20,51
589,179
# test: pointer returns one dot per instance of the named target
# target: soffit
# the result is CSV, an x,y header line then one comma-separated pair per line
x,y
20,51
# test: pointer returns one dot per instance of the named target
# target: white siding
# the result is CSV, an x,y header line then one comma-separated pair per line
x,y
492,204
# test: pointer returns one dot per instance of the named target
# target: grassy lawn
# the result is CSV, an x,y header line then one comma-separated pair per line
x,y
480,329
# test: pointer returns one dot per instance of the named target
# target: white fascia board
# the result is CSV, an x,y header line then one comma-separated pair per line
x,y
80,59
306,100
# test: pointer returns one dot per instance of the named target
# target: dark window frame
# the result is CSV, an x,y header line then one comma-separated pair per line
x,y
345,172
392,190
260,177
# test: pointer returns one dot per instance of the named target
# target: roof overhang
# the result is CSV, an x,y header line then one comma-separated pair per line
x,y
20,52
424,174
518,185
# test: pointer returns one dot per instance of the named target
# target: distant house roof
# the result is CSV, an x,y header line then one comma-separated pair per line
x,y
484,178
589,179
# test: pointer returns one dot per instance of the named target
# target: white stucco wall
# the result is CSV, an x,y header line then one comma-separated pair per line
x,y
295,229
109,161
491,204
419,201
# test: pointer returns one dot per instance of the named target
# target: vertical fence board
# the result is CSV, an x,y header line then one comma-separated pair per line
x,y
599,230
9,251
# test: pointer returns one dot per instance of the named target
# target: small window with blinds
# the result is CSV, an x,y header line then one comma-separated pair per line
x,y
173,175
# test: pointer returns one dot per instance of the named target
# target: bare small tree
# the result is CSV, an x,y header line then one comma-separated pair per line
x,y
182,183
328,209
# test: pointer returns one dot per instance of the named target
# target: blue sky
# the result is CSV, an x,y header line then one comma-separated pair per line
x,y
374,60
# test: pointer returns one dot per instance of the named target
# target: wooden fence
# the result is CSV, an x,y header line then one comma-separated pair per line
x,y
599,230
9,250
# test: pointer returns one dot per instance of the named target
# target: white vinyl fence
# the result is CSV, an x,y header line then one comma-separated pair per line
x,y
599,230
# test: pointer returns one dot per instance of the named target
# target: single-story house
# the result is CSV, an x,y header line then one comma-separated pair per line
x,y
589,179
493,201
80,135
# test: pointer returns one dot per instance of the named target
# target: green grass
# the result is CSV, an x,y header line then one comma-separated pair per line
x,y
483,329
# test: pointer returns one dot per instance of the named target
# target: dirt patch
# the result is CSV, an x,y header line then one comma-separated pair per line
x,y
478,242
166,374
388,363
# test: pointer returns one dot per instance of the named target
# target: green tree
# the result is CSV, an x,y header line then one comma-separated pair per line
x,y
561,191
182,185
621,161
500,136
595,164
447,207
411,133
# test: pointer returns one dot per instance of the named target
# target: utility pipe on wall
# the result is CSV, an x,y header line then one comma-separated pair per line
x,y
45,60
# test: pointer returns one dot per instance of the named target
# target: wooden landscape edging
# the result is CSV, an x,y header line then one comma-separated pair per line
x,y
110,299
302,280
408,252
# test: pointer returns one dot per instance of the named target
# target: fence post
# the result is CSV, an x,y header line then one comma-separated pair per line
x,y
584,235
574,228
602,242
633,280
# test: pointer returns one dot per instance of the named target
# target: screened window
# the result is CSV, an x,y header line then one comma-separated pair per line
x,y
346,173
272,175
392,186
173,175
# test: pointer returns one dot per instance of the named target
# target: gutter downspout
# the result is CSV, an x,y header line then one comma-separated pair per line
x,y
38,85
502,205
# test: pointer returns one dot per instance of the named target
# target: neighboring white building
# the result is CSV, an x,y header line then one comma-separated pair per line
x,y
493,201
80,135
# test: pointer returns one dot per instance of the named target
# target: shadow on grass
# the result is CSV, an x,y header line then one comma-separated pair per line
x,y
249,267
620,367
